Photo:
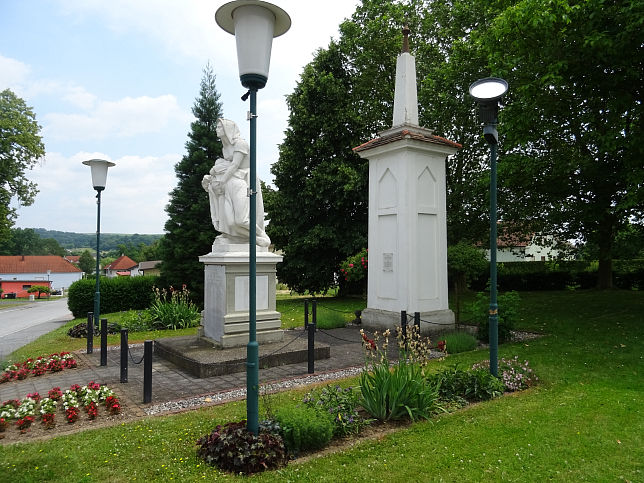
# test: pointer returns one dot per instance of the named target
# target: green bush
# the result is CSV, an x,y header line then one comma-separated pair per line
x,y
117,294
232,448
508,303
136,321
304,428
470,385
341,404
456,342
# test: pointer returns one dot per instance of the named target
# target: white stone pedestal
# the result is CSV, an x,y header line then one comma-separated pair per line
x,y
225,319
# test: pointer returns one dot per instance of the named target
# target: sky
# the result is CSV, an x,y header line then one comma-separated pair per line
x,y
117,80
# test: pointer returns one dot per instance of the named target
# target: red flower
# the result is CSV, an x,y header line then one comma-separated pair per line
x,y
71,414
442,345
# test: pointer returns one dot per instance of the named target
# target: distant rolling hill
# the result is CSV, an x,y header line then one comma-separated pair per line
x,y
109,241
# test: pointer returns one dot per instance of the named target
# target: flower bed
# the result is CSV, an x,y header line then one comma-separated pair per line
x,y
38,367
89,398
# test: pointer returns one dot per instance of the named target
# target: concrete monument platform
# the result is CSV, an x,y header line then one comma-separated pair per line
x,y
200,359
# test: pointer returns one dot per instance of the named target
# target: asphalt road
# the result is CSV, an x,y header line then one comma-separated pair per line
x,y
21,324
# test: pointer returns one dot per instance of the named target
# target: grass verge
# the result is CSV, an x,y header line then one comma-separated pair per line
x,y
584,421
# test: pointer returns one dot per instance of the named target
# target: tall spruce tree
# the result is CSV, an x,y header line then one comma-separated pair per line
x,y
189,232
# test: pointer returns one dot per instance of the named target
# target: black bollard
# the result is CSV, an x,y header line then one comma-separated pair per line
x,y
314,314
124,349
147,371
306,314
403,326
103,342
90,332
417,321
311,348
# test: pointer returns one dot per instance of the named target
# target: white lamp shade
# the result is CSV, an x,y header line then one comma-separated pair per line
x,y
99,172
488,89
254,24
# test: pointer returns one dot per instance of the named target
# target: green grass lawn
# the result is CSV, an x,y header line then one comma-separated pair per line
x,y
584,421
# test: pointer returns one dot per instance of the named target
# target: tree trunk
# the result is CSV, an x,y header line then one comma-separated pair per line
x,y
605,272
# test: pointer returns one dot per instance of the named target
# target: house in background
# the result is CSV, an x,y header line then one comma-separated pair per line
x,y
529,248
123,266
18,273
150,268
72,258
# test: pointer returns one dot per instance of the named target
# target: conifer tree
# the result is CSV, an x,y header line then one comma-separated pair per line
x,y
189,232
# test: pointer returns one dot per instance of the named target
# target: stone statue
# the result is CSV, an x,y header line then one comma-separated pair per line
x,y
227,186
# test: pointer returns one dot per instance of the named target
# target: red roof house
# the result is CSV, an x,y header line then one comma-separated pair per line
x,y
123,266
19,272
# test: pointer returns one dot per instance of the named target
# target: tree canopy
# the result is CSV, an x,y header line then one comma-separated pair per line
x,y
189,231
570,130
21,147
25,241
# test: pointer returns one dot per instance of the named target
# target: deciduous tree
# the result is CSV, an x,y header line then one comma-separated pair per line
x,y
21,147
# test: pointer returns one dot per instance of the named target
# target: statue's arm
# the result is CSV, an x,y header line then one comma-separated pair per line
x,y
238,157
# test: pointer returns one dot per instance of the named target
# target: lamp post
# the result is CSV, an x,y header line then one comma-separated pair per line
x,y
487,93
99,179
254,24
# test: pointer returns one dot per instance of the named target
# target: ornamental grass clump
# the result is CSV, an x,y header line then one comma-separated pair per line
x,y
172,309
399,390
233,448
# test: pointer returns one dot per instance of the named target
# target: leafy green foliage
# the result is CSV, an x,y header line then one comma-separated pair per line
x,y
304,428
39,289
172,309
117,294
516,375
470,385
508,303
341,404
25,241
233,448
189,231
460,341
86,262
318,215
21,147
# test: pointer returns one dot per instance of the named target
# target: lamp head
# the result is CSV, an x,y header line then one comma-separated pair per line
x,y
487,93
254,23
99,172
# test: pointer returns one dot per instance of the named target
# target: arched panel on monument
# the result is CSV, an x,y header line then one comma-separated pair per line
x,y
387,190
427,190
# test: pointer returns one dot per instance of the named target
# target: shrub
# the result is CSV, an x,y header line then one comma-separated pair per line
x,y
456,342
136,320
117,294
173,309
515,375
304,429
80,330
342,405
508,312
471,385
233,448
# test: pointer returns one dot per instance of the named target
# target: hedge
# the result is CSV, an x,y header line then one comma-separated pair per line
x,y
117,294
550,275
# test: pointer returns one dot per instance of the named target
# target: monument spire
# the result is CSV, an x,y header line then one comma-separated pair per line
x,y
405,96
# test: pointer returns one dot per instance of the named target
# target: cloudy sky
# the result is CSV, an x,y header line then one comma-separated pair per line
x,y
117,79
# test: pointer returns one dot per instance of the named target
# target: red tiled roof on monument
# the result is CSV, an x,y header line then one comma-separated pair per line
x,y
406,134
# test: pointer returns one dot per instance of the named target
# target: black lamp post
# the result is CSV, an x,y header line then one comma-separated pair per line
x,y
487,93
99,179
254,24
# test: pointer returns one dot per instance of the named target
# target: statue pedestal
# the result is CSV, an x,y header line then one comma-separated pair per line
x,y
225,319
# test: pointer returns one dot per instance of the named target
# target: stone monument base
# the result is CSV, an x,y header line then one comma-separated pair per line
x,y
431,322
225,318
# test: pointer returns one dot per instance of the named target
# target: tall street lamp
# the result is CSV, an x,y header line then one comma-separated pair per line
x,y
487,93
254,24
99,179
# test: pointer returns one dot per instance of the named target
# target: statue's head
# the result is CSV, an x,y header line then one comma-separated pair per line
x,y
227,130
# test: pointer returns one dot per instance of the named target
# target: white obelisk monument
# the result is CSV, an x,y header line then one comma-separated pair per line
x,y
407,215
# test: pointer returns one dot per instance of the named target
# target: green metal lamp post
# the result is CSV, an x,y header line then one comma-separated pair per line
x,y
99,179
487,93
254,24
